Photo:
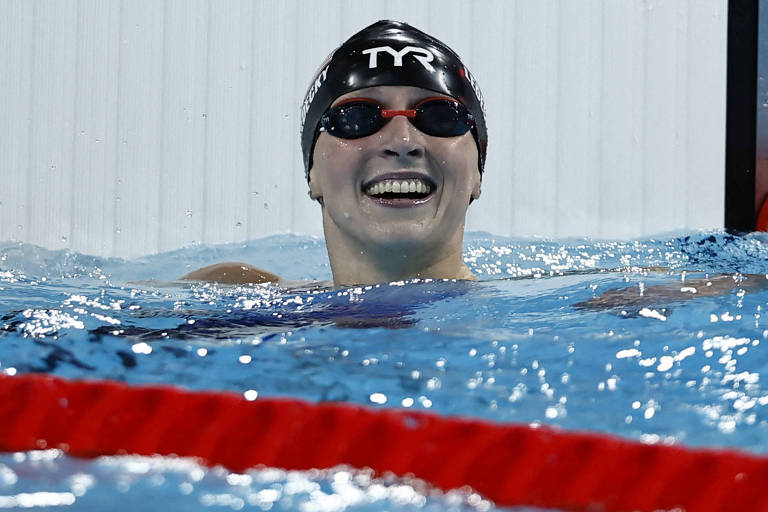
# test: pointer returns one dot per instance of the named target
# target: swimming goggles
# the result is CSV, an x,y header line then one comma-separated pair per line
x,y
357,117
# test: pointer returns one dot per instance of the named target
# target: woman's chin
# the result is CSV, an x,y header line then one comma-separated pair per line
x,y
408,236
384,233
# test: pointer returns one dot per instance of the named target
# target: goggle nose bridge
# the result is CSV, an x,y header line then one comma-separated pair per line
x,y
388,114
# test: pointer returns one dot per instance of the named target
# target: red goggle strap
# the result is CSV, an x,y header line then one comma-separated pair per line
x,y
387,113
411,113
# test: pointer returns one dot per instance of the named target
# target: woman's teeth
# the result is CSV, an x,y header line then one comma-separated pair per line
x,y
398,187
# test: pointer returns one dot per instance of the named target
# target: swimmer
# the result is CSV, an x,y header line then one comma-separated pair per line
x,y
394,141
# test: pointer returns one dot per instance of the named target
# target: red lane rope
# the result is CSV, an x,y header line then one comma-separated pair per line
x,y
510,464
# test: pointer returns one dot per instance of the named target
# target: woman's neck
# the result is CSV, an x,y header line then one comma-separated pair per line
x,y
353,264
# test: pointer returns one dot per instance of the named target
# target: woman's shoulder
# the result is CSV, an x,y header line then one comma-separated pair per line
x,y
232,273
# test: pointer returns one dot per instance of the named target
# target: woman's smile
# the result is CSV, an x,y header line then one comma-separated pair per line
x,y
404,189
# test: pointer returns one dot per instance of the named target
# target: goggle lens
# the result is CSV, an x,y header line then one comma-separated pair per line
x,y
443,118
353,120
361,118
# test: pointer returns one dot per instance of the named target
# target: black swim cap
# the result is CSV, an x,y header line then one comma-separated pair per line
x,y
390,53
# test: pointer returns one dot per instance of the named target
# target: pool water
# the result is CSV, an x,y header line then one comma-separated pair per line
x,y
660,340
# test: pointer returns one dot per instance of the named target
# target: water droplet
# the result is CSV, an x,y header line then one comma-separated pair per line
x,y
238,224
189,213
266,206
378,398
117,230
64,239
204,115
19,227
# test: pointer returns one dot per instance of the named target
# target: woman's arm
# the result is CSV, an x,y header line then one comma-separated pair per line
x,y
232,273
681,291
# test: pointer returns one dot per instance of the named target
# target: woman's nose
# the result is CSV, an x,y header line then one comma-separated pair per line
x,y
400,138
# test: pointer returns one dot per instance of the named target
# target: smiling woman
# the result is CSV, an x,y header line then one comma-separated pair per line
x,y
394,142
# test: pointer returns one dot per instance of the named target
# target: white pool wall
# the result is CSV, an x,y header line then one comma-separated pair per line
x,y
140,126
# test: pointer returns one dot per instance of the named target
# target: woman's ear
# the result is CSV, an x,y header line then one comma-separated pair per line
x,y
477,189
315,190
314,187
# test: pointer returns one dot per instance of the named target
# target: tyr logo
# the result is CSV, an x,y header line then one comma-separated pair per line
x,y
423,55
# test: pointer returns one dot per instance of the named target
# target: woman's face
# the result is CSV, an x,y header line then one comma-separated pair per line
x,y
358,179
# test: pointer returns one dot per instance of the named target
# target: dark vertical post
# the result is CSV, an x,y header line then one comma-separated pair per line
x,y
741,108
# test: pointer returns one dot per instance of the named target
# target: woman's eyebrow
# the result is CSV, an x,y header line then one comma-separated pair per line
x,y
340,101
378,99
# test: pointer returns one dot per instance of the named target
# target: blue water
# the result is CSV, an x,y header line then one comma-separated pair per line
x,y
556,332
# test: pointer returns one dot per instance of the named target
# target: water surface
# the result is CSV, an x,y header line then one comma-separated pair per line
x,y
626,338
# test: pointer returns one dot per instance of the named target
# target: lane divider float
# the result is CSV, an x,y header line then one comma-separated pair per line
x,y
508,463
